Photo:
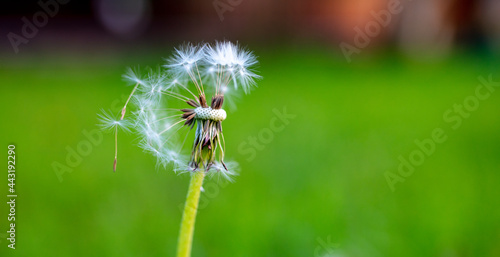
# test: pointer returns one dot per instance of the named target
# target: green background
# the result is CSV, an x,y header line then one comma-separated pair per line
x,y
317,189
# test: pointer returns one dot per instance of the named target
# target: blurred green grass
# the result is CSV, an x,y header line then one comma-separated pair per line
x,y
320,178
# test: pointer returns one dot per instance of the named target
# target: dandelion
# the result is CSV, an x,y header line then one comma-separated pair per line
x,y
186,98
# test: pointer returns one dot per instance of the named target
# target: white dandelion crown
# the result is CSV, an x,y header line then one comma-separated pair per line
x,y
171,102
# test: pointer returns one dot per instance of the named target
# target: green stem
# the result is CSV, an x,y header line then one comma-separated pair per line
x,y
189,215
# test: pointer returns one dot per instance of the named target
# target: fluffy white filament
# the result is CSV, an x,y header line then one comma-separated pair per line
x,y
193,70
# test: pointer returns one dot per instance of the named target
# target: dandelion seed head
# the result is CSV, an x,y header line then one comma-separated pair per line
x,y
188,96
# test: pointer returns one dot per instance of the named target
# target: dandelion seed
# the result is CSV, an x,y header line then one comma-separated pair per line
x,y
132,76
110,123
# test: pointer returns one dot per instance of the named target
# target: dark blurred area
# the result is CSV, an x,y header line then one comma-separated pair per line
x,y
422,28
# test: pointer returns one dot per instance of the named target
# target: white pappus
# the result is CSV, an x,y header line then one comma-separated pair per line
x,y
170,104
